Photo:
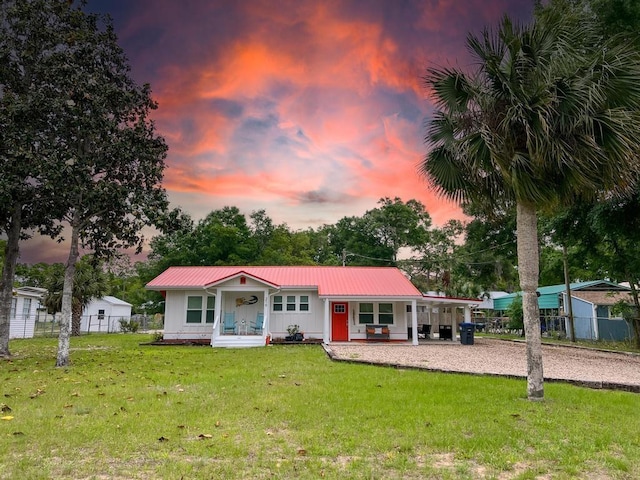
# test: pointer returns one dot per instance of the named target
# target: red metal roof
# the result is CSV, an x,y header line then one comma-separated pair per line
x,y
330,281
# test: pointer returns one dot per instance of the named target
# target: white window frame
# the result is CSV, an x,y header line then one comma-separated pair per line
x,y
204,309
26,308
291,303
307,303
376,313
210,309
280,303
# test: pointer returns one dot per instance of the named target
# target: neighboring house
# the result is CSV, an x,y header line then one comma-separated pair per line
x,y
104,314
25,305
592,316
245,306
591,304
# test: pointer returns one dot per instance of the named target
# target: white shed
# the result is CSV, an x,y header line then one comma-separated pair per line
x,y
104,314
24,311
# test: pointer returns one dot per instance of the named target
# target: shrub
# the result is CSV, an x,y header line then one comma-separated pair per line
x,y
129,326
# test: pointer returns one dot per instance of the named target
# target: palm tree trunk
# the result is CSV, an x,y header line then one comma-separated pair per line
x,y
76,318
8,272
635,323
528,269
67,299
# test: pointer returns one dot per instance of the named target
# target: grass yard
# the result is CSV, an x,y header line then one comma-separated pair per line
x,y
128,411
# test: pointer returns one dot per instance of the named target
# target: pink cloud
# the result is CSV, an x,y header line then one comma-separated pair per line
x,y
311,110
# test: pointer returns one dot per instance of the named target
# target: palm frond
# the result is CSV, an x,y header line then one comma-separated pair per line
x,y
544,119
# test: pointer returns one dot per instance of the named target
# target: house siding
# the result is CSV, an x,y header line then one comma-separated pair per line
x,y
397,331
21,323
583,319
309,322
175,318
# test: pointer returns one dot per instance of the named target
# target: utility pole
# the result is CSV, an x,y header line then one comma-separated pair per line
x,y
569,306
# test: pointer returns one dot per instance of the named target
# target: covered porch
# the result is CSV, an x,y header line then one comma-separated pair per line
x,y
241,315
439,316
400,319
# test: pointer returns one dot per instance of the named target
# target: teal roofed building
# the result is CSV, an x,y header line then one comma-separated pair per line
x,y
549,297
591,304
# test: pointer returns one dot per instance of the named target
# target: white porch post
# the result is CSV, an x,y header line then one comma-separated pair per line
x,y
326,337
467,314
414,321
217,314
266,310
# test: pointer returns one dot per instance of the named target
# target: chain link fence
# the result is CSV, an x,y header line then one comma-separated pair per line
x,y
49,325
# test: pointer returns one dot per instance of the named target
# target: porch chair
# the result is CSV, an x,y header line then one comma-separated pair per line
x,y
259,324
229,324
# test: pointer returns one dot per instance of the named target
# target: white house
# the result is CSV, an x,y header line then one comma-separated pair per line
x,y
247,306
104,314
24,311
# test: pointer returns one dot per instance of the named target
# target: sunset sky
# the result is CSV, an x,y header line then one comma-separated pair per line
x,y
311,110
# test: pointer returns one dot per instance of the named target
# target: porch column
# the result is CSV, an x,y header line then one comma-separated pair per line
x,y
266,308
414,321
326,337
217,316
467,314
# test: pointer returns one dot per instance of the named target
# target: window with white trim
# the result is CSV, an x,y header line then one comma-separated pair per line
x,y
385,313
195,311
365,313
304,303
211,307
26,308
375,313
291,303
277,303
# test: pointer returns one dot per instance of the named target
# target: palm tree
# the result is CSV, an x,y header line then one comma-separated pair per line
x,y
544,120
89,282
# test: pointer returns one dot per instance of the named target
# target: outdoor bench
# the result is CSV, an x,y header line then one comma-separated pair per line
x,y
377,332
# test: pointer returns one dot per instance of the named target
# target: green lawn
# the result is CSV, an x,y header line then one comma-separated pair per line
x,y
124,410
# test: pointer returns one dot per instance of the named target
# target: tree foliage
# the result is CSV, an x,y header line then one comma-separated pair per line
x,y
544,121
30,39
88,151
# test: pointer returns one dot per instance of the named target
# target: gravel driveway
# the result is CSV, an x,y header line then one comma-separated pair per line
x,y
592,368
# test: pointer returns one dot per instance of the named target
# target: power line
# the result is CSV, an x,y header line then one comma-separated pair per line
x,y
346,254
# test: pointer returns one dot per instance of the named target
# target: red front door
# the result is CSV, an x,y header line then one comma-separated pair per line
x,y
339,322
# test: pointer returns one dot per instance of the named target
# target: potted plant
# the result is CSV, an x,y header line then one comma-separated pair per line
x,y
295,335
